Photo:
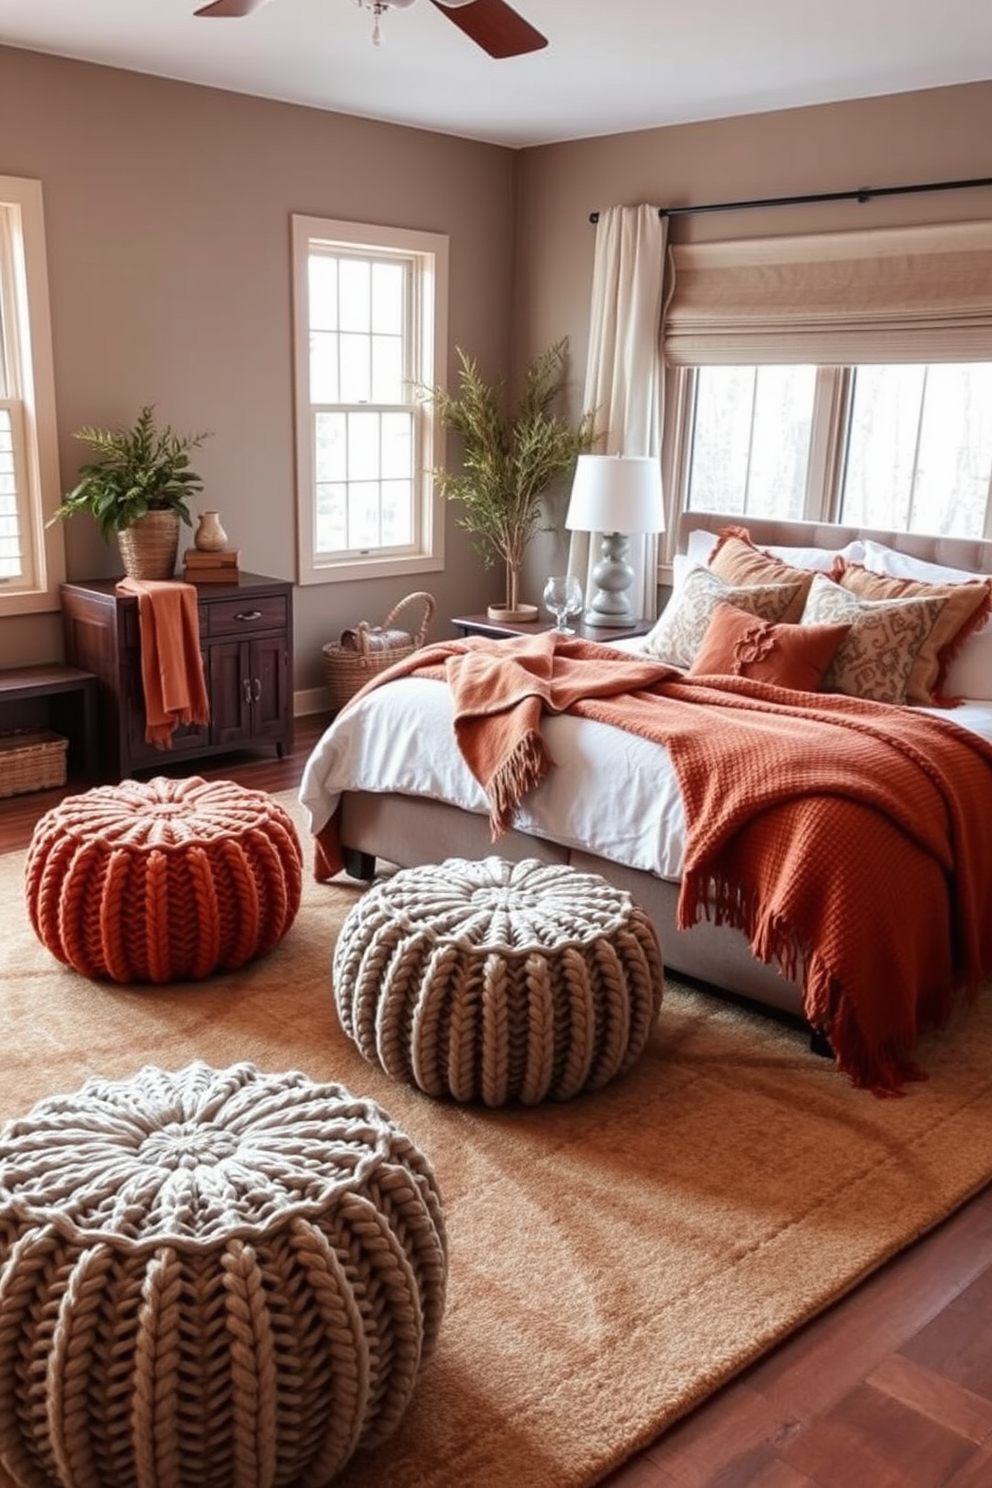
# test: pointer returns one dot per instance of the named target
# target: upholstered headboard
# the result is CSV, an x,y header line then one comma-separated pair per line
x,y
953,552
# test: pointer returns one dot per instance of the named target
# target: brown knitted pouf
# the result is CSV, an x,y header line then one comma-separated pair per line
x,y
213,1277
498,982
164,880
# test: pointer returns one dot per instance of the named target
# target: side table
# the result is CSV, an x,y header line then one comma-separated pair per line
x,y
481,625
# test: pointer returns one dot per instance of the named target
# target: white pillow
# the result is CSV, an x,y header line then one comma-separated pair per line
x,y
882,560
970,673
700,544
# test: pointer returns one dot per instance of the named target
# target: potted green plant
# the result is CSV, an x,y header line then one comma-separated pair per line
x,y
138,488
510,458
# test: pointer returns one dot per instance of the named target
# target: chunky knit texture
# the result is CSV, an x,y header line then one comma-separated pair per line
x,y
498,982
214,1277
163,881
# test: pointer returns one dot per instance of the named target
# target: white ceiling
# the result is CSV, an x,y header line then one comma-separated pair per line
x,y
610,66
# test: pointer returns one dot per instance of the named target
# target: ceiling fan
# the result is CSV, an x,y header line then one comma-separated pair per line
x,y
491,24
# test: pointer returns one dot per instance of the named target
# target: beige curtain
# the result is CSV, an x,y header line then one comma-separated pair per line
x,y
625,371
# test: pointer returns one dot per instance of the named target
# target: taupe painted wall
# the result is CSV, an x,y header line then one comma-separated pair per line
x,y
167,211
943,134
168,207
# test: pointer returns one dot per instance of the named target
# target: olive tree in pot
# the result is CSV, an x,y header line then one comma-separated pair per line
x,y
511,457
139,488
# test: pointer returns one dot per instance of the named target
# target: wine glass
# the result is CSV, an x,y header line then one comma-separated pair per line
x,y
563,597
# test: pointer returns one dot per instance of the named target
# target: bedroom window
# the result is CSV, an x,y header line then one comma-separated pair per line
x,y
370,329
902,448
31,556
840,376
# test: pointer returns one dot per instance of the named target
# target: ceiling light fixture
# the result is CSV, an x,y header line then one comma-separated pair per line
x,y
378,9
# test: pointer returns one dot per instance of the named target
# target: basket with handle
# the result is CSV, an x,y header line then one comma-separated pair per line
x,y
365,651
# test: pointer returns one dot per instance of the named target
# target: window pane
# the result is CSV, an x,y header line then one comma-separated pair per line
x,y
387,370
751,439
919,450
355,277
388,298
11,566
323,367
323,292
355,369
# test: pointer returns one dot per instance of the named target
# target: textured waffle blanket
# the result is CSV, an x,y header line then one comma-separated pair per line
x,y
850,841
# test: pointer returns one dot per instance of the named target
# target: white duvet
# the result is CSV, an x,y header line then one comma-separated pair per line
x,y
611,793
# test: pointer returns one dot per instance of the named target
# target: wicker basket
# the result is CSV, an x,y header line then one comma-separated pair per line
x,y
364,652
31,761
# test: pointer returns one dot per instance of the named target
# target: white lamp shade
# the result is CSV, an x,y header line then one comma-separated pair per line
x,y
616,493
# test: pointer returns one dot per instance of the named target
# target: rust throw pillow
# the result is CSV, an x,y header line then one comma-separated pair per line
x,y
737,561
678,632
741,645
964,608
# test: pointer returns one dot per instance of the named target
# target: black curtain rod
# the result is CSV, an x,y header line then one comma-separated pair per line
x,y
862,194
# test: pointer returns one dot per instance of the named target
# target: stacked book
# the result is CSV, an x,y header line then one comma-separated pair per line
x,y
200,567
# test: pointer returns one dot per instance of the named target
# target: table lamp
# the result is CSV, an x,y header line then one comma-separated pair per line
x,y
615,495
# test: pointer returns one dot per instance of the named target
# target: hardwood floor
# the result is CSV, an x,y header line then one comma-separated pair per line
x,y
891,1388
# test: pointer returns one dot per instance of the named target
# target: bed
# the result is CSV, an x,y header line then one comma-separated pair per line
x,y
387,777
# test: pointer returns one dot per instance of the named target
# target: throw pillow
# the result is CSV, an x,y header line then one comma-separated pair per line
x,y
679,630
737,561
963,608
740,645
886,636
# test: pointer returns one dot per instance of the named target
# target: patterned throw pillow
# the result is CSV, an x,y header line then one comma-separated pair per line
x,y
680,628
886,636
964,607
737,561
792,656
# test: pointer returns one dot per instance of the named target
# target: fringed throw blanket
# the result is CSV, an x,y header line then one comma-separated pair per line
x,y
171,665
851,842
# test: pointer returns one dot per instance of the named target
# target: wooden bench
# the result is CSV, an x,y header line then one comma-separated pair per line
x,y
58,697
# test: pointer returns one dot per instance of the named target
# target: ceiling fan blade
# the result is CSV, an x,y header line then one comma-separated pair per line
x,y
230,7
494,26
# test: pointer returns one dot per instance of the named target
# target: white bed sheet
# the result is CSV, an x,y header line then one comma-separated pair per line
x,y
611,793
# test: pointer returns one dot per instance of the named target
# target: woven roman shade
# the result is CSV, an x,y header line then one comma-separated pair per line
x,y
907,294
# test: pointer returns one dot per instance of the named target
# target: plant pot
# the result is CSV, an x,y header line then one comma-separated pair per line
x,y
150,546
523,614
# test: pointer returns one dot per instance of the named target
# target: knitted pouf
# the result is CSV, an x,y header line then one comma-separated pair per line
x,y
496,982
214,1277
163,881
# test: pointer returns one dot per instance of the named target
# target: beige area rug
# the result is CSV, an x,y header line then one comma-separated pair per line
x,y
612,1260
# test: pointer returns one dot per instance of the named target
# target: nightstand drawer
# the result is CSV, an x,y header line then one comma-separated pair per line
x,y
248,613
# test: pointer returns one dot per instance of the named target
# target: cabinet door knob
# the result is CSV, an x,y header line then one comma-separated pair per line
x,y
248,615
246,689
256,692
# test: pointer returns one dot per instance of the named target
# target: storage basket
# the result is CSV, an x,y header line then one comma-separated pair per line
x,y
31,761
367,650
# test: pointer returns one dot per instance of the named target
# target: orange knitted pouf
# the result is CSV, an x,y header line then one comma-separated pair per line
x,y
163,880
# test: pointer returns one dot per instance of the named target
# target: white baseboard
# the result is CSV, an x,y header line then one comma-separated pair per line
x,y
313,701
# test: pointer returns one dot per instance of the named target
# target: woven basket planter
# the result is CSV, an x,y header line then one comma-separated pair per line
x,y
223,1278
164,880
149,547
498,982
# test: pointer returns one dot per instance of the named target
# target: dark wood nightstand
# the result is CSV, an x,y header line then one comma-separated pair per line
x,y
481,625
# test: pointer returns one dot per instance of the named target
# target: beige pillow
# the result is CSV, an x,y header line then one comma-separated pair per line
x,y
737,561
885,639
679,630
964,607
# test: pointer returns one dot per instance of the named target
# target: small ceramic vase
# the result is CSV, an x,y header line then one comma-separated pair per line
x,y
210,536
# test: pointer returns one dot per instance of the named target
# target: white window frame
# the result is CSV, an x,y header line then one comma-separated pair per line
x,y
26,349
428,255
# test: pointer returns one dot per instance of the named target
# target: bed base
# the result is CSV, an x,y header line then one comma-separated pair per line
x,y
408,830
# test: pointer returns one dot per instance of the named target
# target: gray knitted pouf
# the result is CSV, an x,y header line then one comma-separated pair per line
x,y
498,982
214,1277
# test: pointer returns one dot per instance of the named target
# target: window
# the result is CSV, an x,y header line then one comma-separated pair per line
x,y
903,448
835,377
370,334
31,555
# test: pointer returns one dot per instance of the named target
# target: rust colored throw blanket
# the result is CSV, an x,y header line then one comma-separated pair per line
x,y
171,664
850,841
